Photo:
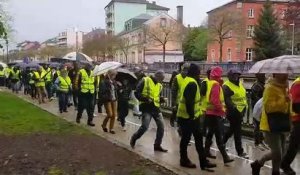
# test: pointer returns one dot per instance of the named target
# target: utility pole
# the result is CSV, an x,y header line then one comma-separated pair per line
x,y
293,37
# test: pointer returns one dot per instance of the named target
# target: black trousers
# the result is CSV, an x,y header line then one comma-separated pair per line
x,y
258,136
62,101
49,89
86,101
189,128
75,98
123,109
2,81
293,145
214,127
235,129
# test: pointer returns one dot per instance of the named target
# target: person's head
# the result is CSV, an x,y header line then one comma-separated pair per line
x,y
234,75
185,69
64,73
111,74
281,78
260,77
194,71
159,76
216,73
45,66
15,68
208,73
125,82
1,67
75,65
88,67
40,69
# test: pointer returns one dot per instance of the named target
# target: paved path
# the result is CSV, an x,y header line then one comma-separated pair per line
x,y
171,140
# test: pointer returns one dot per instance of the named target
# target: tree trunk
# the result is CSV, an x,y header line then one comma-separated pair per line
x,y
164,55
126,59
221,51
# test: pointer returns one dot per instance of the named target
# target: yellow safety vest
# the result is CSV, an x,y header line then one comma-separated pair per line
x,y
180,80
210,84
293,114
152,91
15,75
40,82
87,82
64,83
48,74
204,100
2,73
7,71
182,112
31,81
58,73
239,97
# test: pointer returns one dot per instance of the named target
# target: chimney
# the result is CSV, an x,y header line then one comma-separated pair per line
x,y
180,14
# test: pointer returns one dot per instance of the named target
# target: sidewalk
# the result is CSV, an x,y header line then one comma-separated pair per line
x,y
170,160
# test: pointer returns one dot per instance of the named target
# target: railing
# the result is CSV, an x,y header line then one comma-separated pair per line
x,y
247,120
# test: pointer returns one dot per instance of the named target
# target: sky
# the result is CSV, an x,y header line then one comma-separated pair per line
x,y
39,20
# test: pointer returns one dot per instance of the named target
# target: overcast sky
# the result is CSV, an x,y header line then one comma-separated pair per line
x,y
42,19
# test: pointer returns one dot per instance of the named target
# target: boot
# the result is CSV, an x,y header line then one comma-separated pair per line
x,y
187,164
158,148
206,165
256,166
226,158
287,169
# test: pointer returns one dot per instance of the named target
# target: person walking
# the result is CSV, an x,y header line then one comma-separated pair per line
x,y
2,76
123,102
236,104
215,110
188,114
176,91
148,92
73,74
86,89
64,86
256,94
275,122
26,78
48,81
15,77
136,106
32,88
109,97
39,78
294,143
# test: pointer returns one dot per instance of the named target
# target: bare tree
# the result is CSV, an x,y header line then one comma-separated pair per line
x,y
161,33
222,25
53,51
124,45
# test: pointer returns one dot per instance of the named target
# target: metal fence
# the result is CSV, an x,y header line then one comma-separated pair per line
x,y
247,120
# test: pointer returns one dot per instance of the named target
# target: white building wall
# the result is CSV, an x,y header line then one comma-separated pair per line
x,y
170,58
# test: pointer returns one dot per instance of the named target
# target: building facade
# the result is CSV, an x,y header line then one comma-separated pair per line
x,y
95,33
70,38
239,47
119,11
138,48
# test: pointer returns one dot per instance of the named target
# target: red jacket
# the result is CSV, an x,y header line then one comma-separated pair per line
x,y
295,95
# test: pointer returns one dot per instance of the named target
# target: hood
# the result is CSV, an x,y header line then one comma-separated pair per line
x,y
272,82
216,73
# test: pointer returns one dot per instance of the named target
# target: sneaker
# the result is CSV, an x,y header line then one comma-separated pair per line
x,y
287,170
244,155
160,149
256,168
124,128
188,164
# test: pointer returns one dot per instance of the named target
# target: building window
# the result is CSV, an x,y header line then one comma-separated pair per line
x,y
213,55
250,31
228,54
251,13
163,22
249,54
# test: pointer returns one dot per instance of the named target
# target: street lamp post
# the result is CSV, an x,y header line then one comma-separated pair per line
x,y
293,37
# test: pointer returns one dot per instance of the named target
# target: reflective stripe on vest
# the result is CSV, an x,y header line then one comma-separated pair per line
x,y
204,100
182,112
180,80
48,75
15,75
210,84
40,82
64,83
239,97
87,82
152,91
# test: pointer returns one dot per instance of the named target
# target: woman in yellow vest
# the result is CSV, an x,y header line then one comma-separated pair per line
x,y
236,105
63,86
39,79
15,77
188,114
275,122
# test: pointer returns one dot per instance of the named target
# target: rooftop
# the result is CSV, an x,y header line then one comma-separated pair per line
x,y
247,1
154,6
150,5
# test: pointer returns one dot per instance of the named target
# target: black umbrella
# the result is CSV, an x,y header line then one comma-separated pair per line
x,y
124,74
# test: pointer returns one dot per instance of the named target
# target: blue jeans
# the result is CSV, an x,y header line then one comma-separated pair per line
x,y
63,101
146,119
